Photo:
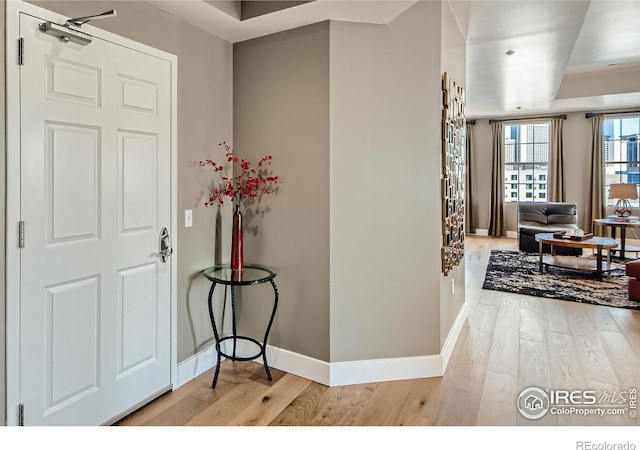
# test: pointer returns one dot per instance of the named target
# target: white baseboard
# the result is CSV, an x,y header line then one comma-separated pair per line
x,y
452,338
196,365
338,373
389,369
291,362
301,365
484,232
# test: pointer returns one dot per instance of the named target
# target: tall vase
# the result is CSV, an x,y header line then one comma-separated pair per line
x,y
237,255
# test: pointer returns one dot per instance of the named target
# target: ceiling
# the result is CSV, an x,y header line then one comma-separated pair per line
x,y
567,55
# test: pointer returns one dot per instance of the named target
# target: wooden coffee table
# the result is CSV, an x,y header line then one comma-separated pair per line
x,y
573,262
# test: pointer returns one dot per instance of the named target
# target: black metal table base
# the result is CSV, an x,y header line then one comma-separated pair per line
x,y
235,337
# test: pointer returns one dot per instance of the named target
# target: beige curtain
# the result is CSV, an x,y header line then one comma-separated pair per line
x,y
595,207
556,189
469,215
497,226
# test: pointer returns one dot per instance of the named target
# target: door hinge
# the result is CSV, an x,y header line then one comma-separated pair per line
x,y
21,234
21,51
21,414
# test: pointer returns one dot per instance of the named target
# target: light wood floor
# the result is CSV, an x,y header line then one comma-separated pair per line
x,y
508,343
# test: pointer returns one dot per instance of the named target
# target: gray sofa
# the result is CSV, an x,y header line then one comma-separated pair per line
x,y
549,217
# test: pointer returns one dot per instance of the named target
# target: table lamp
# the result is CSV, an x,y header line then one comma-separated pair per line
x,y
623,192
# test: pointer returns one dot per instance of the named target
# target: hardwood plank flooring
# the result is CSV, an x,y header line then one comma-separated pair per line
x,y
459,408
566,372
555,318
474,358
421,406
531,320
623,360
508,343
263,411
593,358
505,350
498,400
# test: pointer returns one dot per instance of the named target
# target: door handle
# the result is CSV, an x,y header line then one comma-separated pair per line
x,y
165,245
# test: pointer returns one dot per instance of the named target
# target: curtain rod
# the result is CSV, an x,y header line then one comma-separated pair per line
x,y
560,116
591,114
471,122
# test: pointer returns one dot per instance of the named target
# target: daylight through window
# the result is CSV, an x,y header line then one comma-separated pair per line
x,y
621,153
526,162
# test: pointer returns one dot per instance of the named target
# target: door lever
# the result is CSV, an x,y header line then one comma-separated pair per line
x,y
165,245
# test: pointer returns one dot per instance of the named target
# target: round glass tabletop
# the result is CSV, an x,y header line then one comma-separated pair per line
x,y
251,274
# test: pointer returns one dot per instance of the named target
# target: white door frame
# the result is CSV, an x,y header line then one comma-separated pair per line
x,y
13,10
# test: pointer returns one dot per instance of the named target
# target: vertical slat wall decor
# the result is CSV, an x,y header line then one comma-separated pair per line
x,y
453,173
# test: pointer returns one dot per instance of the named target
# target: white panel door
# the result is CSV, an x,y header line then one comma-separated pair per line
x,y
95,193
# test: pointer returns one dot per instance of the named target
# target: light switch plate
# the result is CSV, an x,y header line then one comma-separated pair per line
x,y
188,218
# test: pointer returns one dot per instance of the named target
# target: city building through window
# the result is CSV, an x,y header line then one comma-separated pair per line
x,y
526,160
622,162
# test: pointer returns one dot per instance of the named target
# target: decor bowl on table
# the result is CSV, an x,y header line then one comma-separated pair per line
x,y
577,235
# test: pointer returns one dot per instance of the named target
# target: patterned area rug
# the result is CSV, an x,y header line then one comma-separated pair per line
x,y
517,272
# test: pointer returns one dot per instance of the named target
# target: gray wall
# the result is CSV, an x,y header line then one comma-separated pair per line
x,y
454,62
205,85
2,221
352,114
386,295
576,139
281,107
385,186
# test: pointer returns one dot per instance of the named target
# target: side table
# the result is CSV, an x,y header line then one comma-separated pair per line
x,y
251,275
613,224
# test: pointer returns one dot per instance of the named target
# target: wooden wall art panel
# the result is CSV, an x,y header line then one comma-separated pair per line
x,y
453,173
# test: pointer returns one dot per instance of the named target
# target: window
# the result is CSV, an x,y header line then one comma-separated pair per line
x,y
622,162
526,148
514,186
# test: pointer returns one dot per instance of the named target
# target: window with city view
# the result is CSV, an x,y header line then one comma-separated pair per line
x,y
621,153
526,162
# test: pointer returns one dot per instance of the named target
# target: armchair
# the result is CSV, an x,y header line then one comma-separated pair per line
x,y
549,217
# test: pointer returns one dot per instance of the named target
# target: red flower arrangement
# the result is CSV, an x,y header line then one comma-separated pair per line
x,y
247,182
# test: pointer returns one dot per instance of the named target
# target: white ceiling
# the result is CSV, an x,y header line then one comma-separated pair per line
x,y
563,60
568,55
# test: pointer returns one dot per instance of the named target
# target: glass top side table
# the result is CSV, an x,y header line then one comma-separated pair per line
x,y
251,275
